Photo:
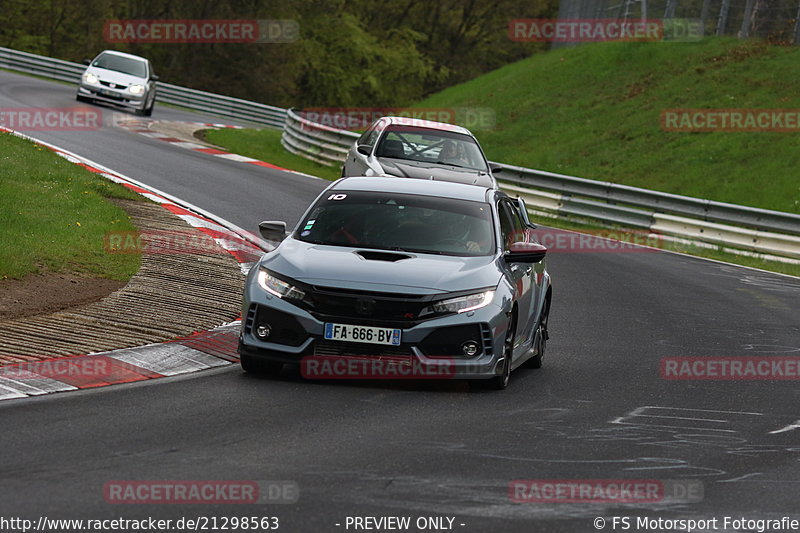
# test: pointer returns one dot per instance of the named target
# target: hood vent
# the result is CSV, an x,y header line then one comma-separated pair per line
x,y
382,256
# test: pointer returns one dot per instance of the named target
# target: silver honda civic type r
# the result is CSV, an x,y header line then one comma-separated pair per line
x,y
410,272
121,79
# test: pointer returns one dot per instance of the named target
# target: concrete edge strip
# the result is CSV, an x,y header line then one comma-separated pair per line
x,y
142,127
202,350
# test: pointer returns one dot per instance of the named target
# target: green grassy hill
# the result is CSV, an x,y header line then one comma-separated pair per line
x,y
594,111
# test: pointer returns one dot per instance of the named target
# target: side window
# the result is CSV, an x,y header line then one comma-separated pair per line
x,y
366,134
511,224
506,224
371,135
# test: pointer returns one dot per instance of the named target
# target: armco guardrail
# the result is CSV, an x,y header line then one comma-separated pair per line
x,y
225,106
323,144
616,197
706,220
744,227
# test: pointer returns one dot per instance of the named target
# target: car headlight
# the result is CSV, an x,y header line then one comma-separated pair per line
x,y
136,89
462,304
90,78
278,287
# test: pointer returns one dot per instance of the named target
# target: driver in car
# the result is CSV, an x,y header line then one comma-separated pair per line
x,y
451,154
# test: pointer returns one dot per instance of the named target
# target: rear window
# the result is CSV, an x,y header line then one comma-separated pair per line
x,y
414,143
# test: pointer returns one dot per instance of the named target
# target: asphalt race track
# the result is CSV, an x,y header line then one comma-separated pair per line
x,y
598,409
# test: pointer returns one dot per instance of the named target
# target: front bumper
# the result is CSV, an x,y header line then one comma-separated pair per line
x,y
111,96
415,358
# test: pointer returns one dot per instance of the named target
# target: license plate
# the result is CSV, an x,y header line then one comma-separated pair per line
x,y
106,92
365,334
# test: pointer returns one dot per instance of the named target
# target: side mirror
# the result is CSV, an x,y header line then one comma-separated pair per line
x,y
154,77
525,252
364,149
273,230
494,167
87,61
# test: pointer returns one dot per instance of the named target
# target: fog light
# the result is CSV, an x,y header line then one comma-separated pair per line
x,y
263,330
470,348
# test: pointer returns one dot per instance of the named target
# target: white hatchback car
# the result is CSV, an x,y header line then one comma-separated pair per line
x,y
121,79
414,148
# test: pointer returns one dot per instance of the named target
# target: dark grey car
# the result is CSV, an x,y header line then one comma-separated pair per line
x,y
412,148
404,272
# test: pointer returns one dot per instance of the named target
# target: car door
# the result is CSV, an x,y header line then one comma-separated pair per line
x,y
522,275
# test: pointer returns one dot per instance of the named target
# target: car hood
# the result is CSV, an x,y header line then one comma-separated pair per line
x,y
343,267
428,171
118,78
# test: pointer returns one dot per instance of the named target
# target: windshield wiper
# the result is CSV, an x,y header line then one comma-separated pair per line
x,y
454,165
416,250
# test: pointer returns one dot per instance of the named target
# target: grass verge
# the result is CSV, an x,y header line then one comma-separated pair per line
x,y
594,111
54,215
265,145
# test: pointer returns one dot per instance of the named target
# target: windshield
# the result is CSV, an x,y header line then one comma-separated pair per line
x,y
401,222
431,146
126,65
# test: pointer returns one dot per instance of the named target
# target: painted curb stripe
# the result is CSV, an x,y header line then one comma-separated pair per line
x,y
141,127
199,351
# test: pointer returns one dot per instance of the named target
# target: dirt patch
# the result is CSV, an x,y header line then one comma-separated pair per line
x,y
172,295
36,294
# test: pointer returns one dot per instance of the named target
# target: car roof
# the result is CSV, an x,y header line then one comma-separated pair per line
x,y
123,54
446,189
409,121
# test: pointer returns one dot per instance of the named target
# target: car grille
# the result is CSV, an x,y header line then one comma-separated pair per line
x,y
366,308
111,96
397,354
113,85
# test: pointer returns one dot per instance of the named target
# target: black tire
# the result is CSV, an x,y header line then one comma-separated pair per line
x,y
149,111
256,366
541,338
145,111
501,382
